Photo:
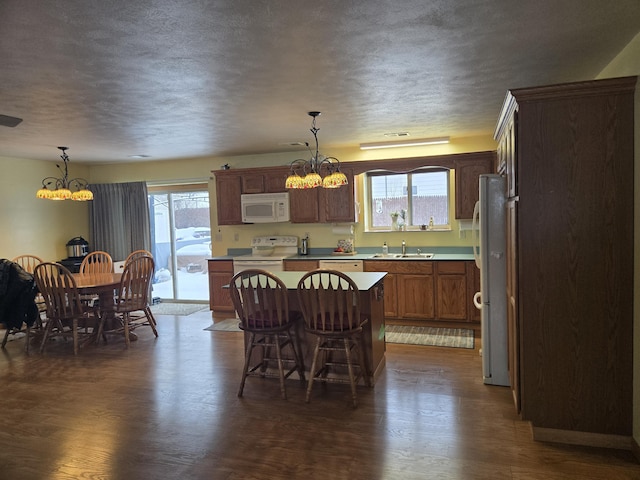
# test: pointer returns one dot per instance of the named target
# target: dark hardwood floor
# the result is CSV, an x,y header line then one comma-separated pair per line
x,y
167,409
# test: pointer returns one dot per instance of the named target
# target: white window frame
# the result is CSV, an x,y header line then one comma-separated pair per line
x,y
368,201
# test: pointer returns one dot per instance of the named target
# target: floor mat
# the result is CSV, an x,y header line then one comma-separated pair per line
x,y
177,308
227,325
437,337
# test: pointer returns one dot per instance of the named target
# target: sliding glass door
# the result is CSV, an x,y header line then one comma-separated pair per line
x,y
181,241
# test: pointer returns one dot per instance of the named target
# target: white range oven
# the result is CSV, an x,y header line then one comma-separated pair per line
x,y
267,253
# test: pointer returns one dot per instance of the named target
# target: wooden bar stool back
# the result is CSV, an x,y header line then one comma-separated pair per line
x,y
330,306
261,302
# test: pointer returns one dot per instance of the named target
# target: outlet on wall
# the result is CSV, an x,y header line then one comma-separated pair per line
x,y
236,237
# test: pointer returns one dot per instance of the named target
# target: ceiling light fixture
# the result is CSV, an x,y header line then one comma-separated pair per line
x,y
311,168
60,188
404,143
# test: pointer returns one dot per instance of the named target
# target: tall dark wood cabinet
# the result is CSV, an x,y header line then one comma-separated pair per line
x,y
568,154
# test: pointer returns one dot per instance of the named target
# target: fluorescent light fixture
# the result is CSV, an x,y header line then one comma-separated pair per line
x,y
404,143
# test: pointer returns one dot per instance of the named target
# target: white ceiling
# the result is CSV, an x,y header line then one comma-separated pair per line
x,y
195,78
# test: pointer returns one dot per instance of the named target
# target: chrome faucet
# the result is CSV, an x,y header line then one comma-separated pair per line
x,y
404,248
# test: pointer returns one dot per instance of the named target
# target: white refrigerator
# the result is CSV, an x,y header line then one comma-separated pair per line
x,y
489,227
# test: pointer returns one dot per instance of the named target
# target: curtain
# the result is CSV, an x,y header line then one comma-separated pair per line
x,y
119,218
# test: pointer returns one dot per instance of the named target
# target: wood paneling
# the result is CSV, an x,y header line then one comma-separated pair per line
x,y
571,238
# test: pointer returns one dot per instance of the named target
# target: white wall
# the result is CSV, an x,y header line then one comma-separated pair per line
x,y
35,226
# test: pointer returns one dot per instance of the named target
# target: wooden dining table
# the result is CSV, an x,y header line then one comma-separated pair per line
x,y
104,286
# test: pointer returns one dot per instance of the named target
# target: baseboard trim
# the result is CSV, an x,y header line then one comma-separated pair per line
x,y
588,439
635,449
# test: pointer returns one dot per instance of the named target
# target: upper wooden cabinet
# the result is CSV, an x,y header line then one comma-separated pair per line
x,y
338,205
317,205
467,173
324,205
228,191
272,181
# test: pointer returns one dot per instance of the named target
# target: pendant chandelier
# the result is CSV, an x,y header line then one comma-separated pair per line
x,y
311,177
62,188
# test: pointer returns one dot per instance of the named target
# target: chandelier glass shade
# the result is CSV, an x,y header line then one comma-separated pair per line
x,y
63,188
307,173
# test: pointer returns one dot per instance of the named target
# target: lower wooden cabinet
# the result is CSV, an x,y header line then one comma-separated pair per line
x,y
428,290
220,274
451,291
300,265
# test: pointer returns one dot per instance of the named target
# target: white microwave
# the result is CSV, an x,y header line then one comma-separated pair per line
x,y
265,207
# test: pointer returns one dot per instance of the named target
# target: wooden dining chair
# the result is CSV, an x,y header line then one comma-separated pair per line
x,y
65,310
28,262
133,296
138,253
261,302
97,262
329,301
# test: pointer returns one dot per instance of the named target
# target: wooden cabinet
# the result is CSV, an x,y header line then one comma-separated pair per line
x,y
568,152
324,205
220,274
231,184
473,286
270,182
390,283
428,290
303,205
467,173
451,291
316,205
300,265
416,296
228,191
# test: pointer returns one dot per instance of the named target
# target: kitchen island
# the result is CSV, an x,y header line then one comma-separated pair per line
x,y
370,285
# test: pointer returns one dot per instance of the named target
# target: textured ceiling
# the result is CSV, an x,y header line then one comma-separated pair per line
x,y
175,79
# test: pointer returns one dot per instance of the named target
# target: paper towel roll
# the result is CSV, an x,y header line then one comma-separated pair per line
x,y
343,230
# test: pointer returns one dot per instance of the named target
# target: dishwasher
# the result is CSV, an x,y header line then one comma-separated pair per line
x,y
342,265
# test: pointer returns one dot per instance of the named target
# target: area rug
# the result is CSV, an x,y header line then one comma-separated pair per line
x,y
437,337
226,325
177,308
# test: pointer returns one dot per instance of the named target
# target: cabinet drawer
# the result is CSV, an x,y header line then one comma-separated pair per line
x,y
300,265
451,267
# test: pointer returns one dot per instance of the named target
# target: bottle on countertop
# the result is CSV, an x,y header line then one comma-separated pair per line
x,y
385,249
304,248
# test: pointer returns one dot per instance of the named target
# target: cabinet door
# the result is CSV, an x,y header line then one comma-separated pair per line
x,y
338,204
253,183
390,296
513,330
220,274
416,296
467,173
275,178
508,151
451,291
303,205
473,286
228,191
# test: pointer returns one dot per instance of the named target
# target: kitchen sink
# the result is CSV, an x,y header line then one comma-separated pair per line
x,y
414,256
